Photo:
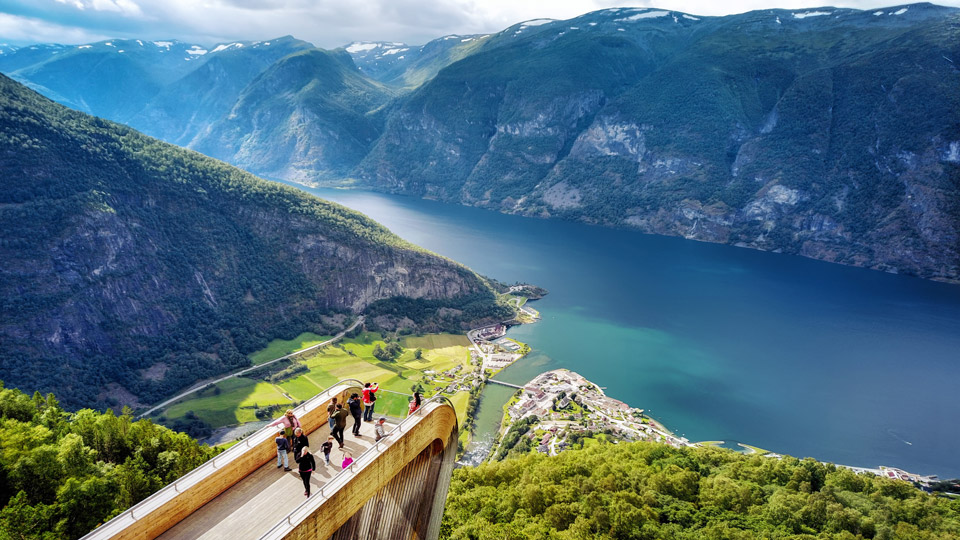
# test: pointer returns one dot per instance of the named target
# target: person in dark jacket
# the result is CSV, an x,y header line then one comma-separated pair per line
x,y
326,448
340,422
283,446
299,442
356,410
307,465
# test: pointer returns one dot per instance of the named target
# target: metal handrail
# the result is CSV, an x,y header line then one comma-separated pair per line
x,y
201,471
340,476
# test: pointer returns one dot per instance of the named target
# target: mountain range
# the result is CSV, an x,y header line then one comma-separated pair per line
x,y
829,133
133,267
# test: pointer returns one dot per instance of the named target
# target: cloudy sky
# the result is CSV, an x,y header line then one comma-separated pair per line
x,y
326,23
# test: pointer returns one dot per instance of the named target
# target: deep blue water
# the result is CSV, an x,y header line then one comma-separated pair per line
x,y
797,356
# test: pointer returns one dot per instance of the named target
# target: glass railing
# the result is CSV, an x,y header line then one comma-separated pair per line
x,y
343,477
143,509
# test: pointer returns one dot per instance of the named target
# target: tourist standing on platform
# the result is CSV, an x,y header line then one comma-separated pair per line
x,y
369,400
340,423
347,460
327,447
331,408
414,403
288,422
283,446
307,465
356,410
300,441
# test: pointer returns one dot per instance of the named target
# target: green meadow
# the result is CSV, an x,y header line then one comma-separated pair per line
x,y
236,400
283,347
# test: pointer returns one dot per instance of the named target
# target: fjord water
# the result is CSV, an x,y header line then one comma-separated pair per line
x,y
793,355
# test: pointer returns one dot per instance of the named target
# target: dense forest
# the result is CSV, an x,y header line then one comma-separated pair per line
x,y
653,491
62,473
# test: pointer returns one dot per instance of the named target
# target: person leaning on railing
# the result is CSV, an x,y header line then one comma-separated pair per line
x,y
414,403
379,430
288,423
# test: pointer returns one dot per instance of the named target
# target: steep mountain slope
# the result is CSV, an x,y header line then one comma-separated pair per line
x,y
309,116
407,66
132,267
829,133
112,79
186,108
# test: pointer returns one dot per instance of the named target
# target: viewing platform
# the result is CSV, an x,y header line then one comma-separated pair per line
x,y
394,489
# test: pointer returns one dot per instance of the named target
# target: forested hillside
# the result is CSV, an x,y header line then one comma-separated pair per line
x,y
654,491
62,474
133,268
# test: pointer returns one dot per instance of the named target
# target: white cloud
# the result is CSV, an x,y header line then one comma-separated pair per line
x,y
332,23
18,29
124,7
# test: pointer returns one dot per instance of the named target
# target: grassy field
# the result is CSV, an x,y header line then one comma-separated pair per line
x,y
234,401
283,347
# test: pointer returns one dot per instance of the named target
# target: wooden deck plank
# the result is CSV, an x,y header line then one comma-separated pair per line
x,y
252,506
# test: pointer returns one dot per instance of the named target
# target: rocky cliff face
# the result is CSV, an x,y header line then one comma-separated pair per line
x,y
133,268
826,133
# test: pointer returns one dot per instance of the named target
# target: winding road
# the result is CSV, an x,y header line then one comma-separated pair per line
x,y
204,384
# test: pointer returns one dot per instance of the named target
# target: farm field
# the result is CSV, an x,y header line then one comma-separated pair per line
x,y
236,401
283,347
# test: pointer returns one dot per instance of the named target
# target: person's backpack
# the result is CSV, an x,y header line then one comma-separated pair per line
x,y
373,395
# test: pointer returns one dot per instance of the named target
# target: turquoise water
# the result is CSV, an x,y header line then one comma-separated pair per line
x,y
789,354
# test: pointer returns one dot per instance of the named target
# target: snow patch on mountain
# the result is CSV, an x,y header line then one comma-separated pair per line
x,y
952,154
164,44
226,46
691,17
645,15
900,11
535,22
805,14
361,47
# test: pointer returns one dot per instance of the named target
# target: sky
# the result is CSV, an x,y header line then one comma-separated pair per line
x,y
325,23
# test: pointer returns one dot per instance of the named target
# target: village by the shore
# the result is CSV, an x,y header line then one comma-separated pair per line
x,y
567,406
565,403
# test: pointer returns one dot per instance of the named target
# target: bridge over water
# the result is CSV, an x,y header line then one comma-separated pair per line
x,y
395,488
505,384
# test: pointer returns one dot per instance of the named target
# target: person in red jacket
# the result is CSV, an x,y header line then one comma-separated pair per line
x,y
414,403
369,400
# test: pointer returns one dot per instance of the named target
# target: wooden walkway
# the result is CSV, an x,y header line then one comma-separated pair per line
x,y
255,504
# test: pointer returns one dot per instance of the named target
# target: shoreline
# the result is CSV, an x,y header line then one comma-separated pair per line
x,y
545,401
